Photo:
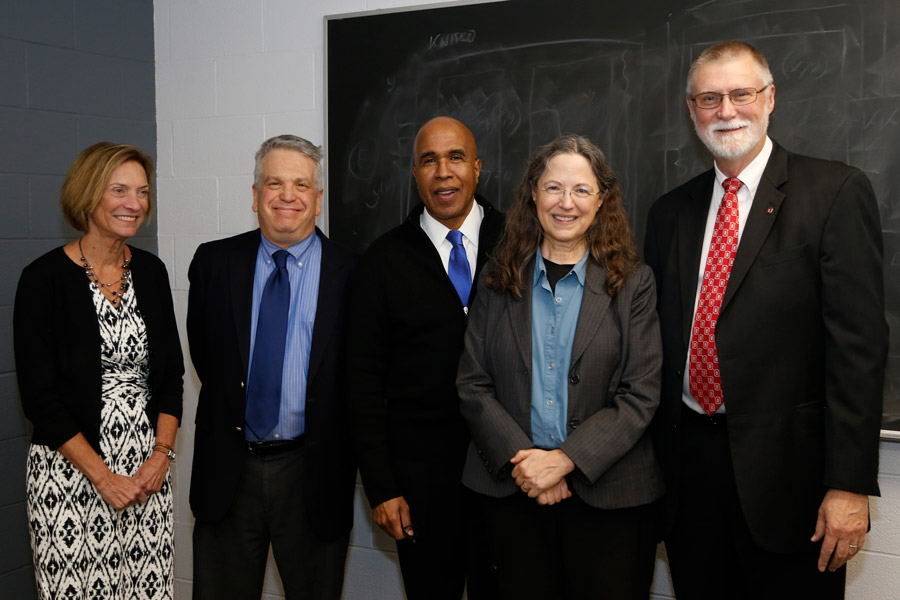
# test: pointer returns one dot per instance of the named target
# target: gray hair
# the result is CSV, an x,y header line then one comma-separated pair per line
x,y
289,142
730,50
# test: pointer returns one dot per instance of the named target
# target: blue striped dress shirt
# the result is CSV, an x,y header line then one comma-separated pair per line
x,y
304,273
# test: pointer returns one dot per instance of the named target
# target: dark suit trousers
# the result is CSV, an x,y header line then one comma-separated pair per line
x,y
444,556
570,551
230,556
711,551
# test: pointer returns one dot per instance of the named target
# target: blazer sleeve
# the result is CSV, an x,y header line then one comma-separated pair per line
x,y
611,432
35,341
367,349
856,337
198,301
496,434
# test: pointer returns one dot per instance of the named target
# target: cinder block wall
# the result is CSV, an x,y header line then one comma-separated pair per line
x,y
71,74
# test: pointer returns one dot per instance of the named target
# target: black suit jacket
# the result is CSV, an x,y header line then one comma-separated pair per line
x,y
406,336
218,324
801,336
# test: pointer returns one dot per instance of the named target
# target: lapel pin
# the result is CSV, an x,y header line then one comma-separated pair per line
x,y
770,210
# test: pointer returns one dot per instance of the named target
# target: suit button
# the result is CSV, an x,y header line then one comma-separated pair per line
x,y
242,385
574,378
575,422
238,428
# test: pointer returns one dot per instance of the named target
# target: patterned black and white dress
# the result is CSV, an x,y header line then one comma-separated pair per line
x,y
82,547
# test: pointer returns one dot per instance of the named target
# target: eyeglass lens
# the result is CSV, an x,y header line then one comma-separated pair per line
x,y
738,97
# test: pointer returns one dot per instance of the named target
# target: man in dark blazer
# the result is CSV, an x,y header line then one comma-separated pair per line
x,y
768,481
406,325
290,482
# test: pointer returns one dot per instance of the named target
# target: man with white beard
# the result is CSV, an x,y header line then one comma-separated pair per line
x,y
771,304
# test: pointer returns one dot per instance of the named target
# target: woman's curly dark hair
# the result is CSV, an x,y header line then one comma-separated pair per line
x,y
608,238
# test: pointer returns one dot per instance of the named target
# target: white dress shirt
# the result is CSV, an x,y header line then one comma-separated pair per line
x,y
437,233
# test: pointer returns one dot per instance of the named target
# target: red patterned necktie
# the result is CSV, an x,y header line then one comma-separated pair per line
x,y
703,368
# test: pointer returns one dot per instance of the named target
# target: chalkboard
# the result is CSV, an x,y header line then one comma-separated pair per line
x,y
520,73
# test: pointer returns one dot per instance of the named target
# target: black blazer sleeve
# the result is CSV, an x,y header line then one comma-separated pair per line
x,y
850,262
368,351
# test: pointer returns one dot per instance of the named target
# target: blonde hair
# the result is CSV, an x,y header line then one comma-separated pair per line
x,y
87,178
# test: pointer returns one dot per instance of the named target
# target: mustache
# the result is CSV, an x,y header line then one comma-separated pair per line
x,y
730,124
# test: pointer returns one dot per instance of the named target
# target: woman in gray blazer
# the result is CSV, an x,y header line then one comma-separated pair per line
x,y
558,383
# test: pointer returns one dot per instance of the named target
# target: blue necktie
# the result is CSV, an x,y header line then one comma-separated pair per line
x,y
458,269
264,387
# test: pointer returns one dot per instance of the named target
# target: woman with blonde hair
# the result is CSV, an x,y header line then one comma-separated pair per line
x,y
100,368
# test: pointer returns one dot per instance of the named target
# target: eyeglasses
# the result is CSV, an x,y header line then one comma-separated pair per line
x,y
739,97
580,192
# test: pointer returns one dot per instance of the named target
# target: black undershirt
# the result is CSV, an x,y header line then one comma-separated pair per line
x,y
555,272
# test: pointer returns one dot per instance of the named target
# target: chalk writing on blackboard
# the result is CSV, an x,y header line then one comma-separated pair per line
x,y
518,75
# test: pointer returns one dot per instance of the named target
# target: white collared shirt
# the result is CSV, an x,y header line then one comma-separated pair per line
x,y
750,177
437,233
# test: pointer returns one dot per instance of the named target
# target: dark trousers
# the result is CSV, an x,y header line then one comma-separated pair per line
x,y
447,553
711,551
230,556
570,551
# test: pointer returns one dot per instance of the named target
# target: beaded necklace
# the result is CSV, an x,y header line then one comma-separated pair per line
x,y
123,281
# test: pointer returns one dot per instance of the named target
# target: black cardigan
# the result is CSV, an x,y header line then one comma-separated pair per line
x,y
57,346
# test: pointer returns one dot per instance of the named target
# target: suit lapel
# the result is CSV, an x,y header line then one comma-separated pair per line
x,y
759,221
519,315
429,257
330,284
691,226
594,309
242,265
491,228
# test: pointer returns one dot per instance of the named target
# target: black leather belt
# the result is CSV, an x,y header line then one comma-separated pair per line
x,y
274,447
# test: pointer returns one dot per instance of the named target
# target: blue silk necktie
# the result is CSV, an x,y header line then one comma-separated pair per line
x,y
264,387
458,268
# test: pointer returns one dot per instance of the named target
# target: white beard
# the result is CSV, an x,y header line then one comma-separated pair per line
x,y
733,145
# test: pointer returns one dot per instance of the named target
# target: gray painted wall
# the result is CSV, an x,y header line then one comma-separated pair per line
x,y
71,73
